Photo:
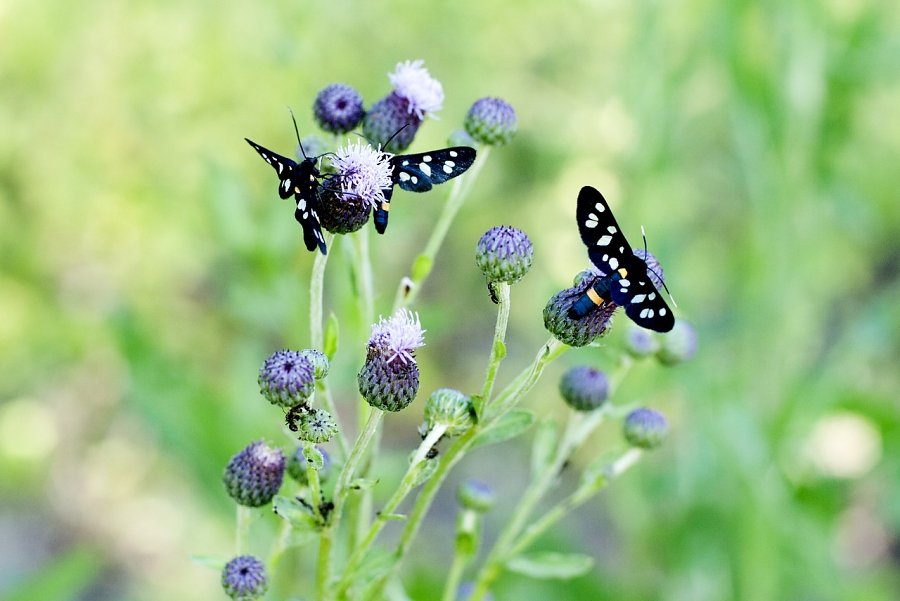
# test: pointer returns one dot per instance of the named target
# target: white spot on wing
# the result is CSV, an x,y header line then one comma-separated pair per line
x,y
638,298
599,206
611,229
662,311
652,295
425,169
427,158
448,169
404,176
604,240
625,283
414,179
449,163
645,313
453,153
614,263
302,204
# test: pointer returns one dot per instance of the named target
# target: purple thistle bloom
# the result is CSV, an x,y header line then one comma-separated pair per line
x,y
577,332
363,172
391,119
584,388
423,93
504,254
491,121
645,428
244,578
286,378
398,336
338,108
254,475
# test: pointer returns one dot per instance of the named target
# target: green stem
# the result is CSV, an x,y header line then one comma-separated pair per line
x,y
406,485
409,287
341,490
498,347
467,528
242,529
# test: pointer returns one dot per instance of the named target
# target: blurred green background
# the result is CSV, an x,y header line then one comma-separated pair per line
x,y
147,268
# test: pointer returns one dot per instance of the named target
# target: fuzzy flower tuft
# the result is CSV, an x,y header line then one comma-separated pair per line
x,y
363,172
412,81
398,336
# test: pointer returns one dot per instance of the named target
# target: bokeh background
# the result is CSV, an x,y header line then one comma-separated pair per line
x,y
147,268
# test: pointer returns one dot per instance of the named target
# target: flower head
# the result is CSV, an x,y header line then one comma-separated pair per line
x,y
363,172
424,94
398,336
338,108
678,345
645,428
577,332
318,360
584,388
491,121
640,342
244,578
316,425
286,378
254,475
388,385
390,123
475,495
451,408
504,254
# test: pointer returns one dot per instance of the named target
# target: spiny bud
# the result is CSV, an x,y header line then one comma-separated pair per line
x,y
390,119
338,108
491,121
318,360
504,254
343,214
244,578
286,378
449,408
645,428
316,425
389,385
584,388
679,345
475,495
577,332
640,342
254,475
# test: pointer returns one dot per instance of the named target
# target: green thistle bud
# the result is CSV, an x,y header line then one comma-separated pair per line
x,y
491,121
316,426
318,360
679,345
504,254
244,578
645,428
254,475
476,496
584,388
449,408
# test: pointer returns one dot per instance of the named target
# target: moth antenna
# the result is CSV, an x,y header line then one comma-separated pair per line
x,y
394,135
644,236
658,277
297,131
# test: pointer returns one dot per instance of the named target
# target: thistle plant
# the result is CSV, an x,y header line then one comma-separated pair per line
x,y
325,507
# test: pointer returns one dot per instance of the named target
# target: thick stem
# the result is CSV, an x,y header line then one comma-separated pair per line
x,y
242,529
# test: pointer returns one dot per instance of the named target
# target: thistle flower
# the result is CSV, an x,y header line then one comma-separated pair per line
x,y
449,408
504,254
389,379
363,172
476,496
584,388
491,121
341,214
254,475
338,108
424,94
244,578
297,463
390,119
318,360
286,378
645,428
317,426
679,345
577,332
640,342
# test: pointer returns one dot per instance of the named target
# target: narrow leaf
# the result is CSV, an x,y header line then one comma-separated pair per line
x,y
421,267
509,426
329,346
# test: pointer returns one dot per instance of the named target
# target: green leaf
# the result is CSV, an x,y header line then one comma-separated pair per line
x,y
421,267
213,562
362,484
509,426
313,456
543,450
294,512
478,406
499,349
394,517
424,471
547,565
330,345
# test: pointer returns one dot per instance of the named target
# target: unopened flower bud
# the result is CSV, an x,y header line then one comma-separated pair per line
x,y
645,428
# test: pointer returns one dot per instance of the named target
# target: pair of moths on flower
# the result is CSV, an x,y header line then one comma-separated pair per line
x,y
625,277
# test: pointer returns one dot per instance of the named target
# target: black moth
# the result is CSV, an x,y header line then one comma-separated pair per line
x,y
413,172
625,281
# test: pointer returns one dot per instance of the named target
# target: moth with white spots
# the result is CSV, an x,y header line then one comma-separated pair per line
x,y
625,280
419,172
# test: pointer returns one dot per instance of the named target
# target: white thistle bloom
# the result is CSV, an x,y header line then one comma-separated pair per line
x,y
398,335
412,81
363,171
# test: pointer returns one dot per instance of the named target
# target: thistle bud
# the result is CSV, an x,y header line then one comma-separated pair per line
x,y
244,578
254,475
645,428
491,121
297,464
389,379
504,254
640,342
338,109
449,408
584,388
577,332
316,426
286,378
679,345
318,360
476,496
